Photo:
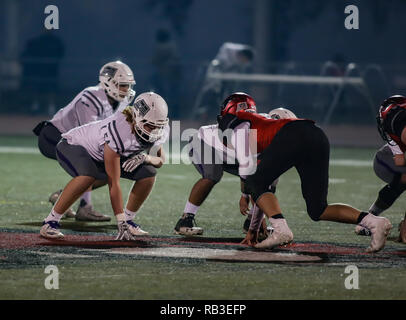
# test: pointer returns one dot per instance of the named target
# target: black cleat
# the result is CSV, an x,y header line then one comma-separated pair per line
x,y
187,226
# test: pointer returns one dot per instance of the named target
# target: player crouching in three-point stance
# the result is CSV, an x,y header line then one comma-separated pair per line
x,y
114,92
211,158
283,144
389,161
109,149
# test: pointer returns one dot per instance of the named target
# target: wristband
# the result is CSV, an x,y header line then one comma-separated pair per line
x,y
244,195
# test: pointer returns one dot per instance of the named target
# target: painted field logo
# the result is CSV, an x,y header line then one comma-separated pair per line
x,y
52,281
351,281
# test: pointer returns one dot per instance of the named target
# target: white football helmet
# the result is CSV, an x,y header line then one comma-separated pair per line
x,y
114,74
281,113
151,116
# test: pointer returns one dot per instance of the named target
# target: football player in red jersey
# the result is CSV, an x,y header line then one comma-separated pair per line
x,y
389,161
283,144
210,157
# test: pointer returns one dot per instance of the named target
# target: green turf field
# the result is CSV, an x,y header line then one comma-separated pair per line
x,y
28,178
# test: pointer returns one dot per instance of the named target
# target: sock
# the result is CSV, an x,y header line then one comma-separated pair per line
x,y
53,216
120,217
278,216
191,208
86,198
129,215
361,216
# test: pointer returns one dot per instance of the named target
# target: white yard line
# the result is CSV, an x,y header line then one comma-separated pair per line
x,y
26,150
176,157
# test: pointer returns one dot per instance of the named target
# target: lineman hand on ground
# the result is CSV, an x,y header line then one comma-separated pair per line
x,y
251,238
132,163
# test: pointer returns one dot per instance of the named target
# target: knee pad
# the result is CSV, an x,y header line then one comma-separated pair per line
x,y
316,210
255,189
389,193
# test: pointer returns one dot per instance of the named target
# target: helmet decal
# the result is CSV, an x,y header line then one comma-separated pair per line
x,y
241,106
237,101
142,107
109,71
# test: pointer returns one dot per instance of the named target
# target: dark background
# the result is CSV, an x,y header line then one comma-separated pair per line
x,y
289,36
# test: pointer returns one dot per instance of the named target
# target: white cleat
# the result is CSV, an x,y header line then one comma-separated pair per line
x,y
135,229
280,235
87,213
50,230
379,227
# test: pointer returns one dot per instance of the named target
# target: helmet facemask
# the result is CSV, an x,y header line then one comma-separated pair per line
x,y
149,131
118,94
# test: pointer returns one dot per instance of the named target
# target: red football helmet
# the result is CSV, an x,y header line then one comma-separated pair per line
x,y
389,105
236,102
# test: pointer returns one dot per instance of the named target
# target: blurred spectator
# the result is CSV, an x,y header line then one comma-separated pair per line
x,y
167,70
40,61
231,57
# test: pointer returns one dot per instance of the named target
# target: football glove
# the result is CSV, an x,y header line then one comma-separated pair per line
x,y
132,163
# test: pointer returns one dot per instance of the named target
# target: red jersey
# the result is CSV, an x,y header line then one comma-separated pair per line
x,y
266,128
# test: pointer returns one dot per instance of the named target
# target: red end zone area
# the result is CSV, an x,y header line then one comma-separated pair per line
x,y
211,249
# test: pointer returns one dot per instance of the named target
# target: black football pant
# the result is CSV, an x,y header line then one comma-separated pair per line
x,y
48,138
299,144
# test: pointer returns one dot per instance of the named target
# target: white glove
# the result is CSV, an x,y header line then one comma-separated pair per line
x,y
131,164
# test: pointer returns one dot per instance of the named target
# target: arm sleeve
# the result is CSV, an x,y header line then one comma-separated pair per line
x,y
256,219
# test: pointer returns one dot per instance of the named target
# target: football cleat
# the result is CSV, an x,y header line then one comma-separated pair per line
x,y
50,230
280,235
87,213
135,229
187,226
380,228
70,213
362,231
